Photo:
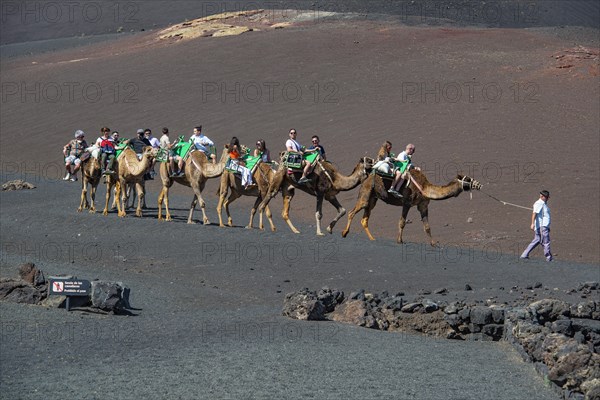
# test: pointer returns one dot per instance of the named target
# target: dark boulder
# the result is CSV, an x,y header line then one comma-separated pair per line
x,y
303,305
107,296
330,298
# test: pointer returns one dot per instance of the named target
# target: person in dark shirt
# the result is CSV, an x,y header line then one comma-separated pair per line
x,y
315,145
139,142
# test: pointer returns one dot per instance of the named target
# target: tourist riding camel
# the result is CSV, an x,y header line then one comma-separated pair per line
x,y
418,192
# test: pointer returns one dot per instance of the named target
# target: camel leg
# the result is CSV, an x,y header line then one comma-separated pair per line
x,y
220,209
202,203
285,213
424,210
161,197
402,222
109,189
253,213
121,193
222,193
232,197
192,206
83,203
365,219
341,212
139,188
164,195
122,204
319,213
260,215
360,204
270,218
92,205
274,187
144,206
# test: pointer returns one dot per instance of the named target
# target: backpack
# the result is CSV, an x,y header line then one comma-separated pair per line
x,y
107,146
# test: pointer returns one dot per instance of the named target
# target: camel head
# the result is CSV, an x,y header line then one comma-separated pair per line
x,y
468,183
149,152
368,163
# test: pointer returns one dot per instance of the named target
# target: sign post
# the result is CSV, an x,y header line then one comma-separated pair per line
x,y
69,287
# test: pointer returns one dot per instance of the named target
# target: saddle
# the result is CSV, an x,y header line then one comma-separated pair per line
x,y
293,160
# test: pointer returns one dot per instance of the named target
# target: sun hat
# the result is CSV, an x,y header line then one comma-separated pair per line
x,y
79,133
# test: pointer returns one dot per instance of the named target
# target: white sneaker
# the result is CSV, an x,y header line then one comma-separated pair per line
x,y
66,178
73,178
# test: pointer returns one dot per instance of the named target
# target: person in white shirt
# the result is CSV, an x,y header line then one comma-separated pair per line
x,y
202,143
540,225
292,145
155,143
405,158
166,144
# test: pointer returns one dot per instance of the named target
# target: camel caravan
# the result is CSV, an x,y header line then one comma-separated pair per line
x,y
124,166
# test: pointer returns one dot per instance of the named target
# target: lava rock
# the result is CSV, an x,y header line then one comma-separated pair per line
x,y
17,184
429,306
441,291
548,310
353,312
394,303
411,307
21,292
468,287
493,330
360,295
562,326
586,309
481,315
330,298
107,296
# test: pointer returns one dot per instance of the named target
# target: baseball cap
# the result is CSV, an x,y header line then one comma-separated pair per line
x,y
79,133
140,131
545,193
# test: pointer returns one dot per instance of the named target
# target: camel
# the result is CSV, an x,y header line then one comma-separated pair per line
x,y
417,192
90,174
326,182
130,170
261,177
198,169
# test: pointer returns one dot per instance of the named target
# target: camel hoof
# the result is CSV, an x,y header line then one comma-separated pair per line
x,y
206,222
79,209
273,229
248,227
104,212
92,211
330,230
221,225
191,223
320,234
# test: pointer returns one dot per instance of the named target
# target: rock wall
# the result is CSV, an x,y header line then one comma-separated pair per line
x,y
562,340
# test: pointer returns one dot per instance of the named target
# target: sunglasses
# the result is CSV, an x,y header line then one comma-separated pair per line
x,y
315,141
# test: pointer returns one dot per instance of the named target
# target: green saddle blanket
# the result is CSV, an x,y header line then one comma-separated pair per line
x,y
251,162
311,157
293,160
182,149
